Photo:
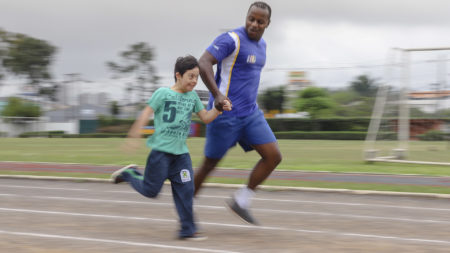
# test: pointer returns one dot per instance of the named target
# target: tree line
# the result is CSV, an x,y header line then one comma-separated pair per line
x,y
355,100
23,56
30,58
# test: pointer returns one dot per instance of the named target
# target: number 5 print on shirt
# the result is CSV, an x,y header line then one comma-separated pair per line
x,y
169,111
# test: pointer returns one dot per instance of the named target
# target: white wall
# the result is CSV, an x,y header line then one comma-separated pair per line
x,y
429,105
71,127
19,126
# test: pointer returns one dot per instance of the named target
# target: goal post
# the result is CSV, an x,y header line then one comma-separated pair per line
x,y
400,152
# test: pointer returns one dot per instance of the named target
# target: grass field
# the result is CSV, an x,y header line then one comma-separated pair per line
x,y
305,155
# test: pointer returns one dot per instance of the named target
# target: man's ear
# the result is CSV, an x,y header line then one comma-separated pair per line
x,y
178,75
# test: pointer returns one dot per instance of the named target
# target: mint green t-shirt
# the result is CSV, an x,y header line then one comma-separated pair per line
x,y
173,112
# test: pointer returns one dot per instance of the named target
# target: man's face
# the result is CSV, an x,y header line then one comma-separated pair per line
x,y
256,23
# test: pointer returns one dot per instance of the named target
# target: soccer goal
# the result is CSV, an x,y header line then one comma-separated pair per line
x,y
393,134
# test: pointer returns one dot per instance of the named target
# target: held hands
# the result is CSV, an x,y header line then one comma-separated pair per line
x,y
221,103
227,106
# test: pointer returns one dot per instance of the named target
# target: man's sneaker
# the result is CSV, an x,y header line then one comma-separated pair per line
x,y
243,213
116,176
197,236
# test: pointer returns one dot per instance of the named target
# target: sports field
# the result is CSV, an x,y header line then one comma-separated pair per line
x,y
305,155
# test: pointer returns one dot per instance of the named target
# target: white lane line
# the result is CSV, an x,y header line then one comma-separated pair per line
x,y
352,216
44,188
128,243
84,214
368,217
334,233
311,202
107,201
336,203
256,199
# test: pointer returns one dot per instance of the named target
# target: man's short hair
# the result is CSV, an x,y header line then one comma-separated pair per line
x,y
184,64
261,5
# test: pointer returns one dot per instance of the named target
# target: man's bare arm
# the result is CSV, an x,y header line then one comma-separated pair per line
x,y
206,63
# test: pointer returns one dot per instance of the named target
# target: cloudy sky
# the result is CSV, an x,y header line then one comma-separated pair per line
x,y
333,40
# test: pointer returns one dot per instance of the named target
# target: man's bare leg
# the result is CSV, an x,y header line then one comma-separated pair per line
x,y
241,200
270,158
208,165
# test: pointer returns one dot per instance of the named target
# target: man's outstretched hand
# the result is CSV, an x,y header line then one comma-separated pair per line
x,y
219,102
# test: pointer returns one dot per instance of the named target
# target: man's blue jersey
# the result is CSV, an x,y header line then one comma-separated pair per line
x,y
239,64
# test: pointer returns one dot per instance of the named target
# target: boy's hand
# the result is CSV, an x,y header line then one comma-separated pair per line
x,y
227,105
131,145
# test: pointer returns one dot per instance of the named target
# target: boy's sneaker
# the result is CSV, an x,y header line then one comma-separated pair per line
x,y
243,213
197,236
116,176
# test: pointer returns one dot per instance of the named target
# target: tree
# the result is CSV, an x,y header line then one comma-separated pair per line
x,y
28,57
363,107
49,90
273,99
364,85
445,113
316,102
351,104
417,113
115,109
345,96
137,62
17,108
3,48
357,99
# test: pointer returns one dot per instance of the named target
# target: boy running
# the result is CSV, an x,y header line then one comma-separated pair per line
x,y
169,157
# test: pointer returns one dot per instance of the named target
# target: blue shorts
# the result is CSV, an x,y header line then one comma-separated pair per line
x,y
226,131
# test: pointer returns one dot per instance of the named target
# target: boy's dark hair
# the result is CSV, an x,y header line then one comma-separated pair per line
x,y
261,5
184,64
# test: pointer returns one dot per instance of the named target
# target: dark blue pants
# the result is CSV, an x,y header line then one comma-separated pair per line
x,y
178,169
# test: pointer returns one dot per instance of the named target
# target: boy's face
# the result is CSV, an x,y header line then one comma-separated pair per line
x,y
189,79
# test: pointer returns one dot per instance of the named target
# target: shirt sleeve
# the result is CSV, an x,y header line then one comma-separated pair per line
x,y
222,46
155,100
198,104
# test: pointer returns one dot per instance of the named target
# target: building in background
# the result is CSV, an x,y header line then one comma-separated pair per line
x,y
297,81
99,99
430,101
203,95
3,103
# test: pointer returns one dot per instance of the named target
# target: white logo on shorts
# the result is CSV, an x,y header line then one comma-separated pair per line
x,y
185,176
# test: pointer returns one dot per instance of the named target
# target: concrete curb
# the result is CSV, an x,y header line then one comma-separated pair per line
x,y
332,190
236,186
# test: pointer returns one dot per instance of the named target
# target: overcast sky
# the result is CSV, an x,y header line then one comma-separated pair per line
x,y
327,38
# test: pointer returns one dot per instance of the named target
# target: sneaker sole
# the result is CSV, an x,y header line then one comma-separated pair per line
x,y
194,239
117,173
230,207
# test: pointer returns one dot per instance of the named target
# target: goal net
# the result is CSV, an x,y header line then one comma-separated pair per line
x,y
412,106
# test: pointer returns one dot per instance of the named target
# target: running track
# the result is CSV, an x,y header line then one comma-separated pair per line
x,y
60,216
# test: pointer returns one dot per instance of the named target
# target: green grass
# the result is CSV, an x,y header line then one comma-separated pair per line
x,y
55,174
304,155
